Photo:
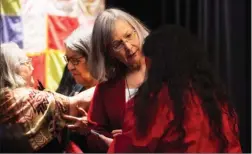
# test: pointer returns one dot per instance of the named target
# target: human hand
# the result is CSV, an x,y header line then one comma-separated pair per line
x,y
107,140
77,124
116,132
82,100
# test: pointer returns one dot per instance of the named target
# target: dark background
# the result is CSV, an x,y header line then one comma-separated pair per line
x,y
224,27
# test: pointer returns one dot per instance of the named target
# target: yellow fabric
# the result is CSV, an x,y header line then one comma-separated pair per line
x,y
55,64
10,7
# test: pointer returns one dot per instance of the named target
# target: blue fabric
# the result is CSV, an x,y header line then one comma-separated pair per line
x,y
11,30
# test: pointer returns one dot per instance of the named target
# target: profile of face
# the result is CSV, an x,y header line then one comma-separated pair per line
x,y
25,70
125,44
77,66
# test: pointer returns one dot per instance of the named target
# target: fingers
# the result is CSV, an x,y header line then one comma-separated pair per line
x,y
78,127
114,135
72,127
107,140
82,111
116,132
71,118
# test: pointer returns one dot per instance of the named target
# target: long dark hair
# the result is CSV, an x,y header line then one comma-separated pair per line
x,y
178,60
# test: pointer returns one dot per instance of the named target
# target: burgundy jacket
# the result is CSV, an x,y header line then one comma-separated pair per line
x,y
106,112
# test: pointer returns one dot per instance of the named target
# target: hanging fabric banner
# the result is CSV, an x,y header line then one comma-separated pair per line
x,y
40,26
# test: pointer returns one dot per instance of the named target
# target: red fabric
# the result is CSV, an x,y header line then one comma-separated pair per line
x,y
72,148
39,70
106,112
162,139
59,28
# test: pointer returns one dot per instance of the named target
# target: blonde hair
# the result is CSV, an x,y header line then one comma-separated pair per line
x,y
10,57
100,62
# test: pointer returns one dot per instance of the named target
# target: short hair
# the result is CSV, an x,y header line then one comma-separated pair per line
x,y
100,62
10,57
80,41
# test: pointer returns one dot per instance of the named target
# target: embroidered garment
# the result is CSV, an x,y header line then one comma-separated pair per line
x,y
38,112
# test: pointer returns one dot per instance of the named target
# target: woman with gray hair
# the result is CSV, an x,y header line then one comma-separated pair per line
x,y
78,48
77,77
37,112
118,63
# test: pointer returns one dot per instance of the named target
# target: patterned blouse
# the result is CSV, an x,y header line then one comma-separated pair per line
x,y
37,112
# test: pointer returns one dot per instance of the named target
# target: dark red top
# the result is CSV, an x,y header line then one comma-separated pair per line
x,y
106,112
160,137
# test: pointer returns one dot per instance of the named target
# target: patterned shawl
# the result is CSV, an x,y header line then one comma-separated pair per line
x,y
38,112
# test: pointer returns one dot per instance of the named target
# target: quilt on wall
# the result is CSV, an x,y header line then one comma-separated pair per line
x,y
40,26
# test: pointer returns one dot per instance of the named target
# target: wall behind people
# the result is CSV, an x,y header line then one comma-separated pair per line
x,y
224,28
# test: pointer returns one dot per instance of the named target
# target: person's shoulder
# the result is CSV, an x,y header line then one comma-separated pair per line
x,y
23,91
110,83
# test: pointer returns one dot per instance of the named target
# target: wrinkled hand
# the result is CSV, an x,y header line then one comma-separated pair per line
x,y
116,132
77,124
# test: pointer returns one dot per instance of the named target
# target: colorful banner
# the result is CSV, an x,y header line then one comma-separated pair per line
x,y
40,26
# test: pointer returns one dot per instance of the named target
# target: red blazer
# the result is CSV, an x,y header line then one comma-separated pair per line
x,y
161,139
106,112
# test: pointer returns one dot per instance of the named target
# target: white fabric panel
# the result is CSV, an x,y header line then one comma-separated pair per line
x,y
34,25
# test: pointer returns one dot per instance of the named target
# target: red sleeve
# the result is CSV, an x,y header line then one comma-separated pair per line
x,y
98,120
72,148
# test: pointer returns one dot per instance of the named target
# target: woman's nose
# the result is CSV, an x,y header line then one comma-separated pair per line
x,y
127,45
70,66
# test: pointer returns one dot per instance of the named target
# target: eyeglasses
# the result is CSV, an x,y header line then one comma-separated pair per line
x,y
118,45
26,62
74,61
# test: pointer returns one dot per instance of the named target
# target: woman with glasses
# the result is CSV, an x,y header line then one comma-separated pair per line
x,y
38,113
118,63
76,76
182,107
78,49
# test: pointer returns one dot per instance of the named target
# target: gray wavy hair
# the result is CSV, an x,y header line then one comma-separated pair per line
x,y
100,62
10,57
80,41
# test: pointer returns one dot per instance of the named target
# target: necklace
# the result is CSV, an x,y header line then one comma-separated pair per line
x,y
127,86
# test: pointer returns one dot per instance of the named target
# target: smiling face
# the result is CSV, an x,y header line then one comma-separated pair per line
x,y
126,45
